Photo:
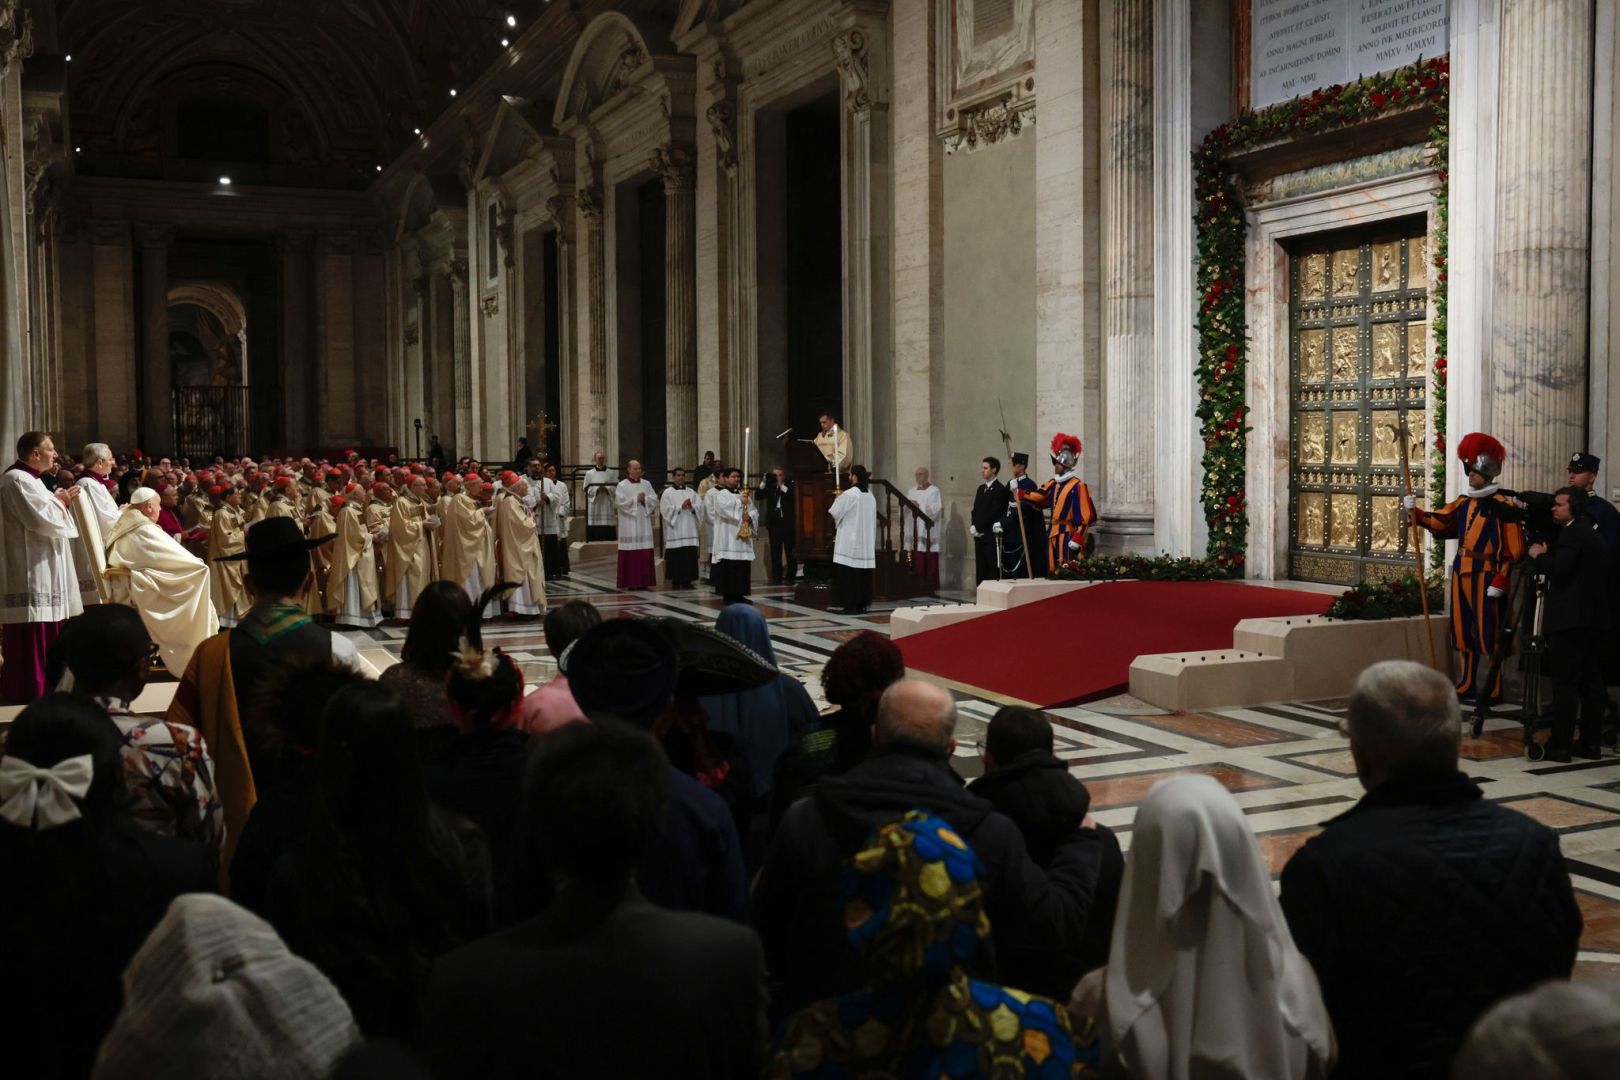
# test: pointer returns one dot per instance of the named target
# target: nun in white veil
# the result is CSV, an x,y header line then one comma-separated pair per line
x,y
1203,978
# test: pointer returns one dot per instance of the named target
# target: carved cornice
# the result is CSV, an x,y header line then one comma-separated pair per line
x,y
339,242
16,34
154,234
849,52
106,232
990,124
674,164
723,122
292,241
557,211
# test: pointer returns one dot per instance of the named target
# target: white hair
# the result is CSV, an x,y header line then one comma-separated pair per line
x,y
94,452
1405,716
1558,1031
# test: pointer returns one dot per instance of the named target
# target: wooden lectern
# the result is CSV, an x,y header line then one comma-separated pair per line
x,y
812,480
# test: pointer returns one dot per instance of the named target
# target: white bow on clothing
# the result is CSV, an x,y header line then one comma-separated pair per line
x,y
31,797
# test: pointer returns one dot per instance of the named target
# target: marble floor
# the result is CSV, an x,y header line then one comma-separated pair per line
x,y
1287,764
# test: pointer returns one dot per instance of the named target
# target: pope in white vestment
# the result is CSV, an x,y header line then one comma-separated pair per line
x,y
149,570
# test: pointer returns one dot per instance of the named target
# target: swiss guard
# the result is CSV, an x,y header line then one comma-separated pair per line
x,y
1490,539
1072,509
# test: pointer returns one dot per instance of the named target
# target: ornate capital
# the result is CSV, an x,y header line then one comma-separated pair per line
x,y
723,122
458,272
419,286
16,34
849,50
590,203
674,164
295,241
339,242
412,335
106,232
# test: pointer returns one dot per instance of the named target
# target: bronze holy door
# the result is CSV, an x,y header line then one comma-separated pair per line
x,y
1358,367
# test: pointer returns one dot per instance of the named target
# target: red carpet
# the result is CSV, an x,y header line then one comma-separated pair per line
x,y
1080,646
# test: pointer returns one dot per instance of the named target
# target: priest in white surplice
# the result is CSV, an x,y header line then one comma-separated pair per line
x,y
854,514
552,509
600,514
98,463
39,589
920,539
682,512
149,570
637,505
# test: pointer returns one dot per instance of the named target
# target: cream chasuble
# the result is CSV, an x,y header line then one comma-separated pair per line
x,y
520,555
408,562
149,570
351,585
226,534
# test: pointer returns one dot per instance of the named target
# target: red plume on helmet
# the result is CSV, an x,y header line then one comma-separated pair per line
x,y
1480,445
1060,441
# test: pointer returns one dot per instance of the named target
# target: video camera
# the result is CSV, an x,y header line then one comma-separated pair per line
x,y
1533,509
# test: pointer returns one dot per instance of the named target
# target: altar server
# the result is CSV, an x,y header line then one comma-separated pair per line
x,y
725,507
97,460
600,514
854,514
552,510
682,511
38,585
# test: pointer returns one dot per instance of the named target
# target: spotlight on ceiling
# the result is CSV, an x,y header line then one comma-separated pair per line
x,y
511,20
506,42
452,92
379,168
224,181
417,130
78,149
68,59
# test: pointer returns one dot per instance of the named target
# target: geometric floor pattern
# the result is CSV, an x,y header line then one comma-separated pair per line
x,y
1287,765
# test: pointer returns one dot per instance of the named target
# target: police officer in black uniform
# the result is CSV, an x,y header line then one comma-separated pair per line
x,y
989,507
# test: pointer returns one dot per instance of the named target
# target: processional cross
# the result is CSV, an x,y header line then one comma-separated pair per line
x,y
542,427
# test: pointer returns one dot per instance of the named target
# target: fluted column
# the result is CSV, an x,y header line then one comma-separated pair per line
x,y
590,206
1543,232
680,307
295,247
157,377
1127,305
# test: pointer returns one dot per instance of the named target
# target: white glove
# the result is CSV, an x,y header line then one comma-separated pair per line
x,y
973,532
1074,545
997,528
1494,593
1409,503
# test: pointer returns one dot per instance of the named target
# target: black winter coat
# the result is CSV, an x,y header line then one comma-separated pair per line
x,y
799,895
1420,908
1578,586
1047,803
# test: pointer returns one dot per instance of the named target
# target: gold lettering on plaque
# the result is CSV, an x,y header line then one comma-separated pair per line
x,y
1311,366
1347,272
1386,266
1387,523
1313,278
1417,262
1345,342
1342,524
1344,438
1386,350
1313,438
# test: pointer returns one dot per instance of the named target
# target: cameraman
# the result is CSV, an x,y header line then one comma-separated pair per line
x,y
1576,624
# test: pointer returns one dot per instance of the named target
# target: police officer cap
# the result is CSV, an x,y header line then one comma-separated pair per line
x,y
1020,458
1579,462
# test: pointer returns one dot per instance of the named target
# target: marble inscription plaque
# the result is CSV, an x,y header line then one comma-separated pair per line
x,y
1303,45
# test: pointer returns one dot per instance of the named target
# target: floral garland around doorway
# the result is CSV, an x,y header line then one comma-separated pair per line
x,y
1222,343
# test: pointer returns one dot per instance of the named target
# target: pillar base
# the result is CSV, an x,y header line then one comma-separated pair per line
x,y
1126,534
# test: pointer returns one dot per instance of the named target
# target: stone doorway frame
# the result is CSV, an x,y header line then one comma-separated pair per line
x,y
1270,226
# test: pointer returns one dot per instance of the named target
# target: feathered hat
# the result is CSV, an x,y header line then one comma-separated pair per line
x,y
1065,450
1482,454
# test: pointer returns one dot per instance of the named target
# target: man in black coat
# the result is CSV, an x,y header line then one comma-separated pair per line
x,y
1034,530
1025,780
775,497
799,898
1576,623
1424,904
602,982
989,507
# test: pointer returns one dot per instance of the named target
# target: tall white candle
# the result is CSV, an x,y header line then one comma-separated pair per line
x,y
837,476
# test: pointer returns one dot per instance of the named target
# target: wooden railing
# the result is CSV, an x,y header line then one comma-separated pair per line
x,y
212,420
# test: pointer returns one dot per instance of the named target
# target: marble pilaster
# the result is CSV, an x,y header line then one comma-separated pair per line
x,y
295,248
594,418
1178,451
675,165
112,346
714,244
918,240
334,337
157,378
461,360
1539,320
1127,303
1067,339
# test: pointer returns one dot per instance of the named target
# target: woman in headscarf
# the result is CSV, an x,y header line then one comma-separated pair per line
x,y
763,721
915,911
1203,978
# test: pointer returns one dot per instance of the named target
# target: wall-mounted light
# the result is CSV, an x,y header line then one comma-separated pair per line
x,y
506,43
511,20
224,181
68,59
452,91
78,149
417,130
379,168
